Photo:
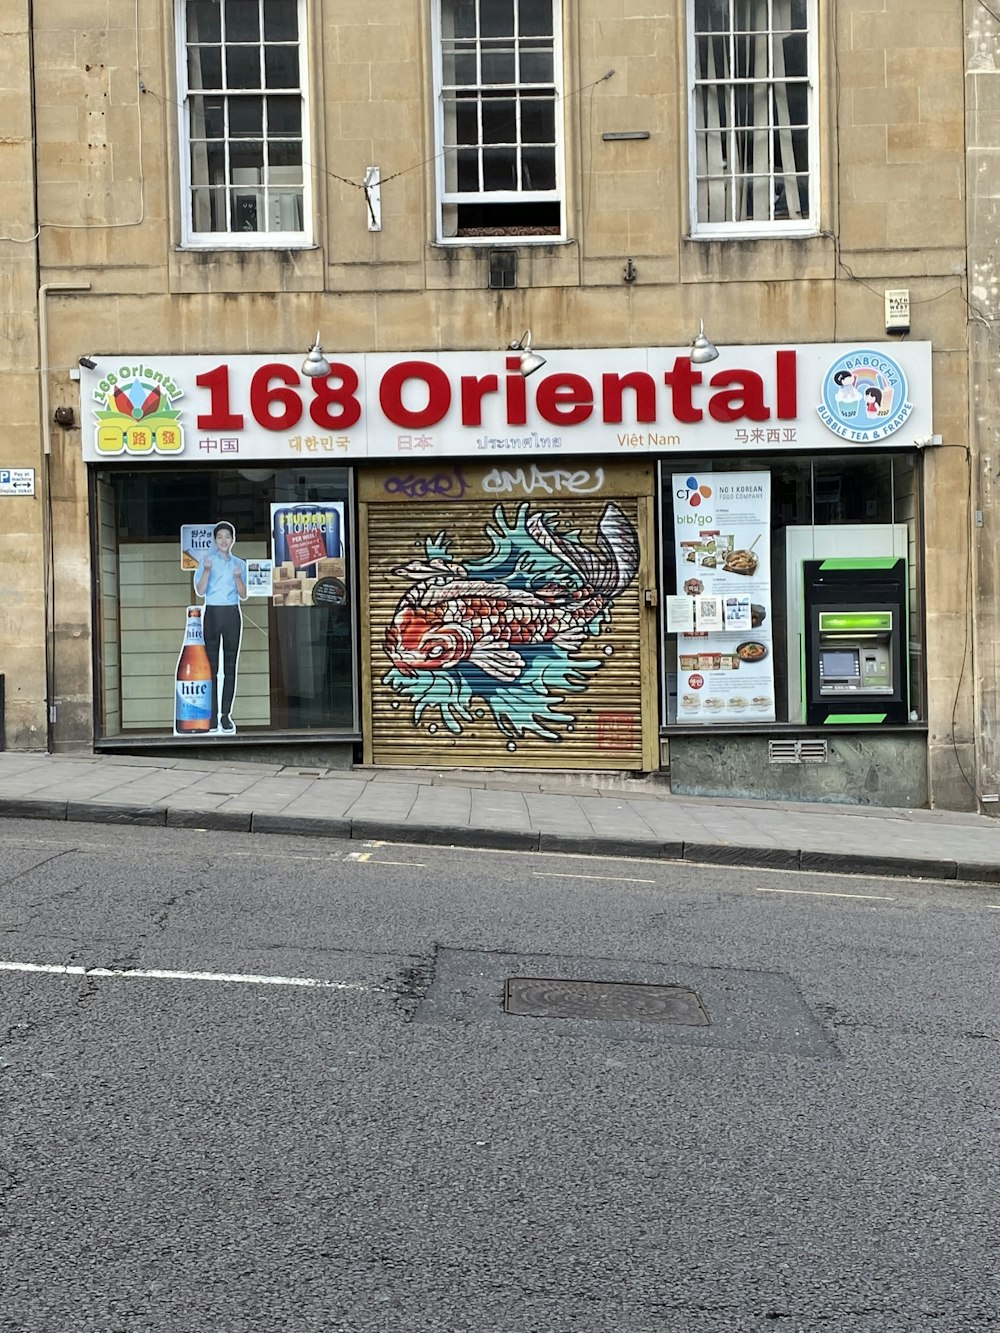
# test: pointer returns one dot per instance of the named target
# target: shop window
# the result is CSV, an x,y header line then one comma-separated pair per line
x,y
848,508
753,117
268,602
498,91
243,127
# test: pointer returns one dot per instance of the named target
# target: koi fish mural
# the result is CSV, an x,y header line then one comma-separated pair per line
x,y
509,629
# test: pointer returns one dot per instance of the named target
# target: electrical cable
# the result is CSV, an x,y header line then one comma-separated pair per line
x,y
403,171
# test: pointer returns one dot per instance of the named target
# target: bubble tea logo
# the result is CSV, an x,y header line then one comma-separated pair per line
x,y
693,495
864,396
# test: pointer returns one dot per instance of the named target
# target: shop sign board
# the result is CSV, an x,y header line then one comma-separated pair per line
x,y
17,481
616,402
722,536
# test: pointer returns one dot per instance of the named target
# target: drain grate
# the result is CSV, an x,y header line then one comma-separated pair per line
x,y
559,997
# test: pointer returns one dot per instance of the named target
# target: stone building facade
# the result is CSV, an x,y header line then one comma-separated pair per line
x,y
138,228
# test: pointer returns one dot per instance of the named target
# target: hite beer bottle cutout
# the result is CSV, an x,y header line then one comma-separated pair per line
x,y
193,692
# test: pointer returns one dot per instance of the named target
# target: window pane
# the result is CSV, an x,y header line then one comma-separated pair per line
x,y
281,21
536,66
463,17
285,160
499,169
209,209
750,16
496,18
792,58
207,118
281,65
246,213
246,117
204,23
284,116
284,210
205,67
538,121
535,17
498,65
538,169
460,68
712,58
467,164
242,67
499,120
247,160
467,122
711,16
208,164
242,21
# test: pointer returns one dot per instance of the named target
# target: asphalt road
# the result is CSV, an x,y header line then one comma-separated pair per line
x,y
297,1103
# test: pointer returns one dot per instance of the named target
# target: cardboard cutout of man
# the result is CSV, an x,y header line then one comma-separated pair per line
x,y
221,578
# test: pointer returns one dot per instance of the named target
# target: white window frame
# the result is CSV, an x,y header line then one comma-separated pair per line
x,y
237,240
756,228
446,197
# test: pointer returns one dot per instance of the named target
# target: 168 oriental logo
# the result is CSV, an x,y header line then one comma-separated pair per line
x,y
137,413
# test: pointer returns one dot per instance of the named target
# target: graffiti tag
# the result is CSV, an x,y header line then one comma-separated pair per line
x,y
443,486
554,482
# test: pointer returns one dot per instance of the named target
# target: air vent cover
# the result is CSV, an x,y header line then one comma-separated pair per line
x,y
798,752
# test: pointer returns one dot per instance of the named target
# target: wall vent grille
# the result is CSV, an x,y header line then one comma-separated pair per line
x,y
798,752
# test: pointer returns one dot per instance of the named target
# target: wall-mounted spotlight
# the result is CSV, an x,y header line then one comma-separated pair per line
x,y
88,363
702,348
530,361
316,365
64,416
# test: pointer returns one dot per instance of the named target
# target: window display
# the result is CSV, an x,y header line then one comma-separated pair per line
x,y
738,535
192,564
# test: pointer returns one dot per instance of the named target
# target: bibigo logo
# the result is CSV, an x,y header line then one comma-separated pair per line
x,y
136,413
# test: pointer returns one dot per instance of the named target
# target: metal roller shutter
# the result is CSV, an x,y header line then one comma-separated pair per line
x,y
563,707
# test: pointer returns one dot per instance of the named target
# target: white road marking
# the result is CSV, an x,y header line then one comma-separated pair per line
x,y
399,863
614,879
161,974
817,893
358,856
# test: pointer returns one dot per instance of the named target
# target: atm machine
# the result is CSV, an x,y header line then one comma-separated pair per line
x,y
855,661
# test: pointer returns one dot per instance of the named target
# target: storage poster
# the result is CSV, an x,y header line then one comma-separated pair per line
x,y
307,546
722,533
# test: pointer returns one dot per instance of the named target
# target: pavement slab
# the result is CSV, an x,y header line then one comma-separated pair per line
x,y
536,810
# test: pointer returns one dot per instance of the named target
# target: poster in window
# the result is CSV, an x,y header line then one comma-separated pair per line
x,y
722,535
307,543
196,541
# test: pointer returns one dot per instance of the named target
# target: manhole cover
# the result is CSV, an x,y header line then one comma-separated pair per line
x,y
557,997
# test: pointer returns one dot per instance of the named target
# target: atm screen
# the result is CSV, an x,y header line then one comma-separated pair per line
x,y
836,663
